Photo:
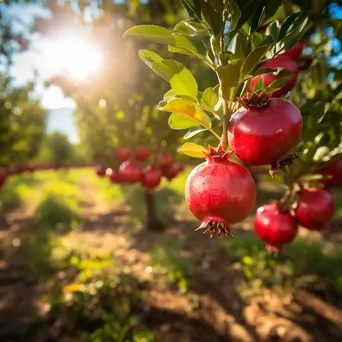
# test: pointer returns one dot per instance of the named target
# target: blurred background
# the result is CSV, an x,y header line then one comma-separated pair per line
x,y
86,258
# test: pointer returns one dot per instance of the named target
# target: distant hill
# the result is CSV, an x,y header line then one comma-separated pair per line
x,y
63,120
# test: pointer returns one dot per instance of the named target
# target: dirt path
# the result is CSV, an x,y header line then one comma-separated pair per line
x,y
213,310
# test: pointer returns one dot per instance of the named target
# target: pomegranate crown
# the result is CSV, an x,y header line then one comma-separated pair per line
x,y
255,100
217,154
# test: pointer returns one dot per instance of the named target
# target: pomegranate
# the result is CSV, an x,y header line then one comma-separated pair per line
x,y
112,175
171,171
129,172
151,177
281,61
334,171
264,130
315,207
100,170
142,153
123,154
274,224
2,178
295,52
219,192
164,159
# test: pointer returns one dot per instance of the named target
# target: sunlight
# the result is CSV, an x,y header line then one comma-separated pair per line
x,y
75,56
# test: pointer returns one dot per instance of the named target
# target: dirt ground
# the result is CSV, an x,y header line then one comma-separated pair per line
x,y
213,310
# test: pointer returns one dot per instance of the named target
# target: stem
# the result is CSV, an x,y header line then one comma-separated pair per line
x,y
214,133
226,117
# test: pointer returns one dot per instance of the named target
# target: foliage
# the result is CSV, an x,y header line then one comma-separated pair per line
x,y
303,263
168,261
54,214
56,149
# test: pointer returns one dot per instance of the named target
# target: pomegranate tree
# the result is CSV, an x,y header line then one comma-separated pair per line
x,y
220,192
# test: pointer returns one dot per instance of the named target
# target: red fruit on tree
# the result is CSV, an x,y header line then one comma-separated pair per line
x,y
314,208
295,52
264,130
2,178
100,170
275,225
281,61
112,175
334,172
171,171
142,153
130,173
151,177
220,192
123,154
164,159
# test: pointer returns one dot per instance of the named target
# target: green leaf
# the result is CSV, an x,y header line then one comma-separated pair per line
x,y
193,131
277,84
292,23
254,57
229,77
181,79
154,33
193,150
187,108
193,8
211,97
310,178
183,82
265,71
183,45
181,122
156,63
190,27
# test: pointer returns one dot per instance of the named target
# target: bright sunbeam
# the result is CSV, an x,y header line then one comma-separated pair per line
x,y
75,56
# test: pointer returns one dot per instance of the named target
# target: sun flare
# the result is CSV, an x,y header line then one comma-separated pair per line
x,y
75,56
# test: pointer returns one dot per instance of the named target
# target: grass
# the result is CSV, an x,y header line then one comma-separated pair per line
x,y
301,263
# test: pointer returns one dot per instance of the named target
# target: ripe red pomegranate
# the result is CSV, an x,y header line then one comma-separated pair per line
x,y
164,159
315,207
130,173
264,130
123,154
219,192
100,170
142,153
274,224
281,61
171,171
2,178
112,175
151,177
334,171
295,52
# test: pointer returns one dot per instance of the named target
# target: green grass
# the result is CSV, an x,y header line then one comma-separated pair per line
x,y
301,262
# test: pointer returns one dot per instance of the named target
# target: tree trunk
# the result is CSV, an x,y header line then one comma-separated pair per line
x,y
152,222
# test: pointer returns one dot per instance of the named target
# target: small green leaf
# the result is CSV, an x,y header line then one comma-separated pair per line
x,y
183,45
211,97
277,84
310,178
265,71
193,150
183,82
154,33
254,57
181,122
193,131
187,108
229,78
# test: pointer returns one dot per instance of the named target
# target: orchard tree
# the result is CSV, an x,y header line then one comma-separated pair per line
x,y
22,120
116,107
255,49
